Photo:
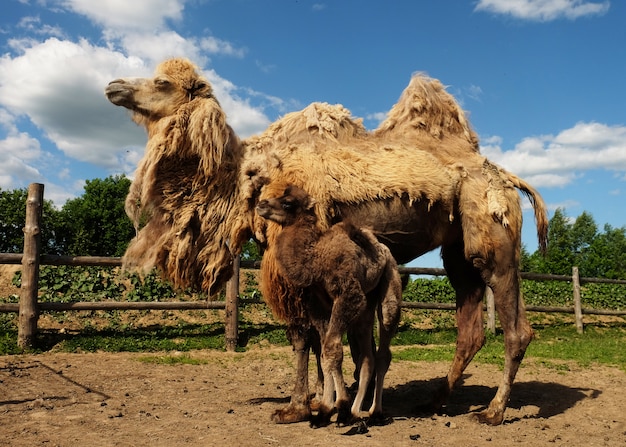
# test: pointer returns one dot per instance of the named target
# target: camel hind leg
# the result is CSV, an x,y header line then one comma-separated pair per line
x,y
505,283
362,330
490,256
389,312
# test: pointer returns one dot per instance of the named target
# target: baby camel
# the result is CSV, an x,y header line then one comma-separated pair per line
x,y
346,275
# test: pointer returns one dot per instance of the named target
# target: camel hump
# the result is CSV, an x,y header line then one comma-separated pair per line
x,y
426,107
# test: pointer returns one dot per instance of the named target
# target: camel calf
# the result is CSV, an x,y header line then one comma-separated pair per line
x,y
347,276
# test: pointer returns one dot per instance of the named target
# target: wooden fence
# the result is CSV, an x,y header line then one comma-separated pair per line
x,y
31,259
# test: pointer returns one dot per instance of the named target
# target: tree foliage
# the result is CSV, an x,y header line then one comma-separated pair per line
x,y
95,223
13,219
92,224
579,243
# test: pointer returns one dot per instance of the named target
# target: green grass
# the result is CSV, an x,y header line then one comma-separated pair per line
x,y
556,343
599,344
172,360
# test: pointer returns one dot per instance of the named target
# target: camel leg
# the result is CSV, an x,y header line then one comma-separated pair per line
x,y
389,313
363,329
517,335
355,350
382,362
298,409
316,347
332,358
349,304
470,288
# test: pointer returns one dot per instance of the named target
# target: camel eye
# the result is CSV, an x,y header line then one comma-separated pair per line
x,y
162,83
288,205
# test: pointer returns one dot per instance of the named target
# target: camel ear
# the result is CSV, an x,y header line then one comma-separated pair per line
x,y
201,89
309,203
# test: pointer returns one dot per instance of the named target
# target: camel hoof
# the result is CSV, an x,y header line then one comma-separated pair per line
x,y
291,414
359,428
379,420
315,404
489,417
322,418
344,416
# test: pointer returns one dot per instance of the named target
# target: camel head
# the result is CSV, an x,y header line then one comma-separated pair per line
x,y
176,82
288,207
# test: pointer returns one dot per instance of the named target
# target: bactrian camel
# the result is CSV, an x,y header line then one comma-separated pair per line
x,y
347,276
418,181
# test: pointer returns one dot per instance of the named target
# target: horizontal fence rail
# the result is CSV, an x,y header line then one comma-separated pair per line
x,y
28,307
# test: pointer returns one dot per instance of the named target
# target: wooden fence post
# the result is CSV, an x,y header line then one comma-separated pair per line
x,y
491,310
231,328
577,304
28,310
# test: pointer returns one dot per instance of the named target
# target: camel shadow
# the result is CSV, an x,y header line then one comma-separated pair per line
x,y
413,399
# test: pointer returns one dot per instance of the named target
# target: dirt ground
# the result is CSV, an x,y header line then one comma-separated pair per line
x,y
103,399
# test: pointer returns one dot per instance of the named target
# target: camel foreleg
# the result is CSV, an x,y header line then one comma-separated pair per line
x,y
299,408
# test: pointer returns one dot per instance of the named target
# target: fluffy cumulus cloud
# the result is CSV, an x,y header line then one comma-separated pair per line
x,y
52,85
127,15
557,160
58,83
544,10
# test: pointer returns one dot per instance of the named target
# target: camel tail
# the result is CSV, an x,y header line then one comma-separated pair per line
x,y
541,213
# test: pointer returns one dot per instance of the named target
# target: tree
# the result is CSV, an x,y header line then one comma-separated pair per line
x,y
251,251
13,219
559,255
583,233
95,223
607,254
597,254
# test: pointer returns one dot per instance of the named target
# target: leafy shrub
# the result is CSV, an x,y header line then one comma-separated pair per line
x,y
149,288
424,290
68,284
536,293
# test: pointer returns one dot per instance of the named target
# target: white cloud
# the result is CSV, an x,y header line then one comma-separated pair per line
x,y
34,25
135,15
59,86
213,45
54,88
153,47
543,10
19,151
244,118
549,160
474,92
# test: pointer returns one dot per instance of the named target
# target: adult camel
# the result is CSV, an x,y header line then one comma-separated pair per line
x,y
418,181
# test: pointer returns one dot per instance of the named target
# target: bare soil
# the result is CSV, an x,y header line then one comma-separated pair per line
x,y
104,399
127,399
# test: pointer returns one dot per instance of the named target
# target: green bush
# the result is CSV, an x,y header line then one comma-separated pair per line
x,y
536,293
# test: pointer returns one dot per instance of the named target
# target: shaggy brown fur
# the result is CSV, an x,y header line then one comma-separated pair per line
x,y
185,187
347,275
418,181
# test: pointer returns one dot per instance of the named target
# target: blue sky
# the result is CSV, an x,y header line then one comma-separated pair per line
x,y
542,80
